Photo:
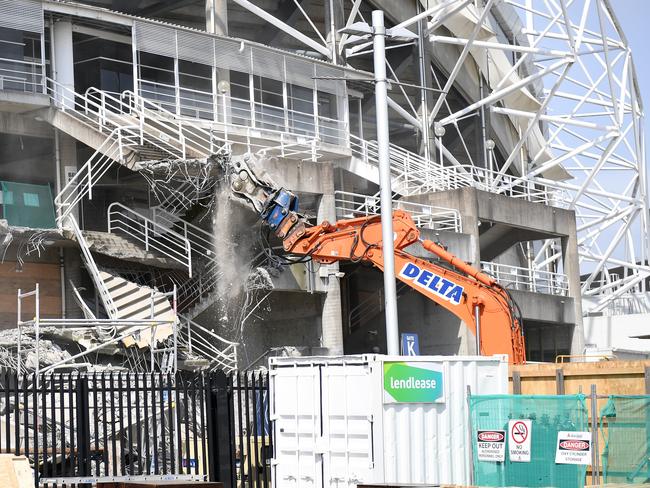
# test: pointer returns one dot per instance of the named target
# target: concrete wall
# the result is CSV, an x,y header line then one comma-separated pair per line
x,y
607,334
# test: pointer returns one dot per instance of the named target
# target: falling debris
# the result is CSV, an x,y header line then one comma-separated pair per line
x,y
259,279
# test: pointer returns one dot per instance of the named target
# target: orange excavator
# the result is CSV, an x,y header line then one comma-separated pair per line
x,y
485,307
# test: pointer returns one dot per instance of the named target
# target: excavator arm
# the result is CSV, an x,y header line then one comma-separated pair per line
x,y
477,299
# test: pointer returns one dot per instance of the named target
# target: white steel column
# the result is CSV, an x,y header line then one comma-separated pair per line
x,y
381,102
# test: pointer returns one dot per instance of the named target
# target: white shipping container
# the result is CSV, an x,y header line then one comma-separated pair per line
x,y
341,421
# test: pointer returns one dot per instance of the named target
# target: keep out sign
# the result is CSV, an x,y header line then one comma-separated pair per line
x,y
491,445
519,440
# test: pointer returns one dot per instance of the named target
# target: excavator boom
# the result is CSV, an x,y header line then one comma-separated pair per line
x,y
477,299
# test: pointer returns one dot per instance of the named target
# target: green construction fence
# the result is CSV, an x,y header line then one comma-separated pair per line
x,y
548,415
625,428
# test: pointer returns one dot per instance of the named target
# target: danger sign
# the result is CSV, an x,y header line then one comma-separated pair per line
x,y
519,432
491,445
573,448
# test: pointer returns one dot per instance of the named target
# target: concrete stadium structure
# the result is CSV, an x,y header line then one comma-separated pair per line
x,y
516,142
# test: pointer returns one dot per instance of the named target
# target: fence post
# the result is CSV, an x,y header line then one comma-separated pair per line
x,y
83,426
595,465
516,383
219,426
559,381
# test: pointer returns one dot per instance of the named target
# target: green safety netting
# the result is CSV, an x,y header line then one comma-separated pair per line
x,y
549,415
625,425
26,205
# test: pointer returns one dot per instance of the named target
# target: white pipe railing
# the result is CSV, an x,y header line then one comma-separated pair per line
x,y
202,241
414,175
102,290
239,112
203,342
150,234
81,184
351,205
21,75
526,279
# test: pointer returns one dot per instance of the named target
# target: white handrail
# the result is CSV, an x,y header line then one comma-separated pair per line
x,y
534,280
104,294
350,205
152,235
80,185
199,339
413,174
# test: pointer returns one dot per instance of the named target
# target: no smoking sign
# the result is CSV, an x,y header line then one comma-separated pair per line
x,y
519,435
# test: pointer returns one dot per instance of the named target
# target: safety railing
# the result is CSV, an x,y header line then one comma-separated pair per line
x,y
412,174
200,240
81,184
206,270
150,234
21,75
158,128
199,341
244,113
351,205
91,267
526,279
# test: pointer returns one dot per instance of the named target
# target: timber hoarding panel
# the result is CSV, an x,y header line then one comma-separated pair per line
x,y
610,377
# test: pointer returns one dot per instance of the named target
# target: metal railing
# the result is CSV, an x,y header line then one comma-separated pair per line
x,y
81,184
84,428
412,174
351,205
91,267
150,234
198,340
526,279
200,240
21,75
239,112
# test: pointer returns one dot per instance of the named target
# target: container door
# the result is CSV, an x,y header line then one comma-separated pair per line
x,y
297,426
348,457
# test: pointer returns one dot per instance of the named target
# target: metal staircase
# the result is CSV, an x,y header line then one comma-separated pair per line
x,y
140,134
122,130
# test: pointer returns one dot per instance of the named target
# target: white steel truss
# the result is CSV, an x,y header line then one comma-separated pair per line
x,y
559,75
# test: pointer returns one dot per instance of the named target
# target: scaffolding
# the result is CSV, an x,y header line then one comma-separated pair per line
x,y
123,329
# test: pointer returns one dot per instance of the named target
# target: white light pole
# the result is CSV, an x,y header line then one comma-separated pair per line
x,y
386,192
379,34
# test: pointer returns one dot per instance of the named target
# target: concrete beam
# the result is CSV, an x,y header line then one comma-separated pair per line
x,y
21,125
20,102
540,307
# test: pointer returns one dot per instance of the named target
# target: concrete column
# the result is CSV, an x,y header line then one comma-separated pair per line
x,y
571,267
63,60
332,322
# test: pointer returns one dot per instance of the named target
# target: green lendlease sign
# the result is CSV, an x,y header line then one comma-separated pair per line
x,y
413,382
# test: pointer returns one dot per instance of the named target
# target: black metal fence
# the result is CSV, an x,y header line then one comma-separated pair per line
x,y
79,428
